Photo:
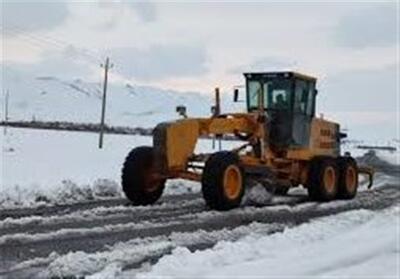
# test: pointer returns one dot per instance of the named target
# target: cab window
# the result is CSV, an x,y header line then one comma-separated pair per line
x,y
311,100
301,96
304,97
277,94
279,99
254,88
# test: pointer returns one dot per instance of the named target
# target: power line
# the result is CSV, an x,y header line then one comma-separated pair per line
x,y
42,42
38,45
49,39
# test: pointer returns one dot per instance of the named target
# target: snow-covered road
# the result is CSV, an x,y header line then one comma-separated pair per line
x,y
353,244
85,239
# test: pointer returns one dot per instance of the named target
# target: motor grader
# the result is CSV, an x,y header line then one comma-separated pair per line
x,y
284,145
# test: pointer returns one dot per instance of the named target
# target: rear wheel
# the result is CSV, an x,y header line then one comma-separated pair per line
x,y
323,179
138,177
348,178
223,181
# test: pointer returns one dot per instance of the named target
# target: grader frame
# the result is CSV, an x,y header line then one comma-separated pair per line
x,y
285,145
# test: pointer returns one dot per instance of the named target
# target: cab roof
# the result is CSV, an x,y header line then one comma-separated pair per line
x,y
287,74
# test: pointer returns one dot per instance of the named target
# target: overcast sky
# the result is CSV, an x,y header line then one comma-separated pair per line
x,y
352,47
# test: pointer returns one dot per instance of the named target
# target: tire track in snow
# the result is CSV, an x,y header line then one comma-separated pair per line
x,y
21,247
100,217
55,210
136,252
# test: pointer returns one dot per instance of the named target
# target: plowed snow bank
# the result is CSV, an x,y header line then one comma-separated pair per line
x,y
356,243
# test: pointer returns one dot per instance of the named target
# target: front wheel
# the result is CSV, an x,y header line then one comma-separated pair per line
x,y
223,181
139,182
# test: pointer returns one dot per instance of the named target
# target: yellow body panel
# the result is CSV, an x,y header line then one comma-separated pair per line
x,y
181,136
323,141
181,140
209,126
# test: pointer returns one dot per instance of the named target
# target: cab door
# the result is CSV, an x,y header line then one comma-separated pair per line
x,y
279,106
303,112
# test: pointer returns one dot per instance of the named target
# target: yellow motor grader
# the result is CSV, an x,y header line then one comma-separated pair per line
x,y
284,145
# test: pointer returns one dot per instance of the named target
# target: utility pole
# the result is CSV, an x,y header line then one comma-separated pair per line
x,y
106,66
216,110
6,98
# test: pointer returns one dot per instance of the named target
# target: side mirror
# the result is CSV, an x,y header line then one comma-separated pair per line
x,y
315,92
236,95
181,110
213,110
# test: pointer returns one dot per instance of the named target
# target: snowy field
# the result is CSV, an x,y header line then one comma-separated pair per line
x,y
47,167
41,166
57,166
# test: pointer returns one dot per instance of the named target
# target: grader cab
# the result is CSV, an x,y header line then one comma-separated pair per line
x,y
284,145
289,101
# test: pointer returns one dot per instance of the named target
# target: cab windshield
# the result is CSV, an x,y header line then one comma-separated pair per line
x,y
276,94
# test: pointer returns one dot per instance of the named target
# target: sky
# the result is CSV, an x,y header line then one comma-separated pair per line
x,y
351,46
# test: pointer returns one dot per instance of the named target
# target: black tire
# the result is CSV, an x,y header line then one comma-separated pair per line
x,y
213,189
320,188
136,181
348,178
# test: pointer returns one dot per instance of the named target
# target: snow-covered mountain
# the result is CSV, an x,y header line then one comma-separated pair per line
x,y
59,98
50,98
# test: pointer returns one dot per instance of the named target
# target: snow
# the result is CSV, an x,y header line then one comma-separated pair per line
x,y
110,271
359,243
392,157
80,263
46,158
46,167
190,219
50,98
51,167
41,167
356,243
376,230
97,213
257,195
123,254
71,232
